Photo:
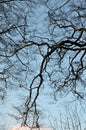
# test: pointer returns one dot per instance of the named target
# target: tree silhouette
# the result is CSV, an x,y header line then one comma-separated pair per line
x,y
42,41
70,119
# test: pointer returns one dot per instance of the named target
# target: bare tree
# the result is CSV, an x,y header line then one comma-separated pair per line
x,y
70,119
42,41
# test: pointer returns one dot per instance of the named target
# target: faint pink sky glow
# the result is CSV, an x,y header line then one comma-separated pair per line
x,y
18,127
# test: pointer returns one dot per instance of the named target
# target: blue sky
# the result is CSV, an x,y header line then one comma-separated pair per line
x,y
45,101
49,108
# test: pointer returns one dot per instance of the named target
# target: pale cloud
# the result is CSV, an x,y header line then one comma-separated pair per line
x,y
18,127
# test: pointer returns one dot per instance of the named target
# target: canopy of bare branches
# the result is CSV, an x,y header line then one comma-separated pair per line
x,y
42,41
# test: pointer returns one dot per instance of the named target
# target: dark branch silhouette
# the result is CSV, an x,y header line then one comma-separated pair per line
x,y
50,48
